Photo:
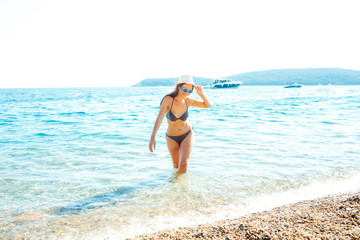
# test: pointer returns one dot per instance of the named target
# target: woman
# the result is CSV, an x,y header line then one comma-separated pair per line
x,y
180,135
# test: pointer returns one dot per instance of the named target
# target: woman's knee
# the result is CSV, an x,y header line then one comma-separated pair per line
x,y
184,164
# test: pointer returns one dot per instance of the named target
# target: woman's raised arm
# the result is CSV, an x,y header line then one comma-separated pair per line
x,y
200,104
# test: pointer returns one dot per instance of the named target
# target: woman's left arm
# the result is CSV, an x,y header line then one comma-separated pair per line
x,y
205,103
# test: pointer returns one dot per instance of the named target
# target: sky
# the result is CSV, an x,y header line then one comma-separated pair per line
x,y
88,43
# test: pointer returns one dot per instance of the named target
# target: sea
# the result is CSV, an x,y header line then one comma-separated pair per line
x,y
75,162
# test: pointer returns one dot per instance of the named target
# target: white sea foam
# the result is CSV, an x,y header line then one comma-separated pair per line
x,y
231,210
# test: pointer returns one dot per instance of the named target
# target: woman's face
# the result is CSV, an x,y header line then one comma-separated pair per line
x,y
186,89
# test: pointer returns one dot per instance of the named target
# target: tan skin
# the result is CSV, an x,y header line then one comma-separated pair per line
x,y
180,153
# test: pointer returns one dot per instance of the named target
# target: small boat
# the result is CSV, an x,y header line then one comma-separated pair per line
x,y
294,85
224,83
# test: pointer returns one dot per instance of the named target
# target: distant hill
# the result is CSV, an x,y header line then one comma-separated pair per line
x,y
306,76
159,82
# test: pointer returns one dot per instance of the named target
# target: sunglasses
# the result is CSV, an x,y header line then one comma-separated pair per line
x,y
185,90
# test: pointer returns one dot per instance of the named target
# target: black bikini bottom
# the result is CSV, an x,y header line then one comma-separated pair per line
x,y
180,138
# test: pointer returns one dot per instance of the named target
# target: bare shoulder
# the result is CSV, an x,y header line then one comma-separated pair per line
x,y
167,101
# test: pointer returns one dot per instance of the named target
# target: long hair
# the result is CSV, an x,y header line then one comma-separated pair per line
x,y
173,93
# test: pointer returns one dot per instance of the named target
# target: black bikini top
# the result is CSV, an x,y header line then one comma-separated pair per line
x,y
173,118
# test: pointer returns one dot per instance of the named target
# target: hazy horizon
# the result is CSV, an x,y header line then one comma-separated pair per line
x,y
266,70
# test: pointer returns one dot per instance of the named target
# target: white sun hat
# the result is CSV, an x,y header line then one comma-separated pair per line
x,y
185,79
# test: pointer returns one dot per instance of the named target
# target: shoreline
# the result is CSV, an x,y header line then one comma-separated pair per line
x,y
332,217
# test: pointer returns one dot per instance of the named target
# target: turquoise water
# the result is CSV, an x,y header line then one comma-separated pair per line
x,y
78,159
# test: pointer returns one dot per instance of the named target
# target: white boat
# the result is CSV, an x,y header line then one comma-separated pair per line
x,y
224,83
294,85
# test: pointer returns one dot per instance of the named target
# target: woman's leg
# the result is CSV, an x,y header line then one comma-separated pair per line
x,y
186,147
174,148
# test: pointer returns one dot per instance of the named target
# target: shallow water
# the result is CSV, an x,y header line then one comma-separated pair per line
x,y
76,164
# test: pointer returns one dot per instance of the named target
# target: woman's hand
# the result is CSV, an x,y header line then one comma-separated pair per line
x,y
199,89
152,144
201,104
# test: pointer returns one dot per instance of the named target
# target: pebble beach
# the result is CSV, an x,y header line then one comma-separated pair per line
x,y
332,217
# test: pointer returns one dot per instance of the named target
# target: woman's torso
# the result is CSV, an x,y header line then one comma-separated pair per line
x,y
177,118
